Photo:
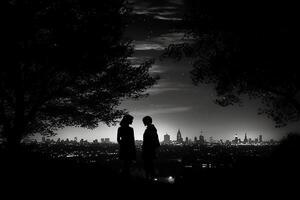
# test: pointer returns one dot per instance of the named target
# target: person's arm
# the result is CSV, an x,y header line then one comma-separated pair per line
x,y
133,137
156,140
119,136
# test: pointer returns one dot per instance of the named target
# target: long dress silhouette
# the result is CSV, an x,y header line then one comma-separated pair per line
x,y
125,138
149,148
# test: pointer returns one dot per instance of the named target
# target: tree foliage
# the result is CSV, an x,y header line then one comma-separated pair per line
x,y
65,64
245,47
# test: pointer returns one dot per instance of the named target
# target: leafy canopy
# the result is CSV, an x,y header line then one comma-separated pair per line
x,y
245,47
65,64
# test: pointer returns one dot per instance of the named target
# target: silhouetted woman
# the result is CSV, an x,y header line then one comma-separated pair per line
x,y
125,137
149,148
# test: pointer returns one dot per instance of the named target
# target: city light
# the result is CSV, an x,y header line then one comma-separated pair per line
x,y
171,179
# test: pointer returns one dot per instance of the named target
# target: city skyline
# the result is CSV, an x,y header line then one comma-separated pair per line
x,y
174,102
173,137
167,140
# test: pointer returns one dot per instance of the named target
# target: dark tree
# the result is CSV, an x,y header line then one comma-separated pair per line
x,y
245,48
64,63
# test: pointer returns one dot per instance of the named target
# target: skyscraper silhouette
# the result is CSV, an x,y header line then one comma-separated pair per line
x,y
179,137
260,138
201,139
167,139
245,139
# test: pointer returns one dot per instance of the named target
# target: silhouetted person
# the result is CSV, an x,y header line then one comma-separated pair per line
x,y
125,138
149,148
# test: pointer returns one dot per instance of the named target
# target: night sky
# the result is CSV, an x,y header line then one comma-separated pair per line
x,y
174,102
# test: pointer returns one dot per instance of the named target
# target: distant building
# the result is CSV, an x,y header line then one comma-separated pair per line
x,y
236,139
201,139
105,140
179,137
245,139
167,139
195,139
95,141
211,140
260,139
186,140
227,142
250,141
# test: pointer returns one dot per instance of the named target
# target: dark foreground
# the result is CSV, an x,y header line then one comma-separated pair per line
x,y
180,172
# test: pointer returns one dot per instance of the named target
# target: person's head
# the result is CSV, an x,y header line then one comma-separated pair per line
x,y
147,120
126,120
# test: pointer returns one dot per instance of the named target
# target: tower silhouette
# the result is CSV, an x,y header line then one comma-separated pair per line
x,y
179,137
245,139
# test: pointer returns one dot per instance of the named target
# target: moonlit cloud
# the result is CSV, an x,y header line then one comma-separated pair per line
x,y
138,60
165,8
133,58
167,86
161,110
162,41
163,12
171,38
167,18
178,2
157,90
156,69
147,45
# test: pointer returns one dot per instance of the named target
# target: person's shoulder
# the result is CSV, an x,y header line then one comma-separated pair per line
x,y
128,128
152,127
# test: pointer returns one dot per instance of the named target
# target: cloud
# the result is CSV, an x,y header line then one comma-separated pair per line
x,y
167,86
156,110
147,45
168,10
155,69
171,38
157,90
178,2
167,18
161,42
164,7
137,61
